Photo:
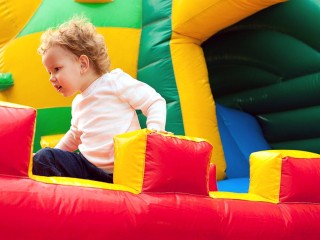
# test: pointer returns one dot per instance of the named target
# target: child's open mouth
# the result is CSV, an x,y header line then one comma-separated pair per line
x,y
57,87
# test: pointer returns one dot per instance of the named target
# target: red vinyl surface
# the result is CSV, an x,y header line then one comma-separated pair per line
x,y
179,165
16,137
35,210
300,180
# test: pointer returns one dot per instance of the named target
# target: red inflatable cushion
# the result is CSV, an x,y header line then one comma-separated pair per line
x,y
300,180
16,136
176,165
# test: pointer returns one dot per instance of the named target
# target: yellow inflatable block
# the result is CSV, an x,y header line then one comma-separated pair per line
x,y
129,154
50,141
265,171
265,176
147,161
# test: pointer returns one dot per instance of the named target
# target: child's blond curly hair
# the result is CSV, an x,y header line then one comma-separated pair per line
x,y
79,36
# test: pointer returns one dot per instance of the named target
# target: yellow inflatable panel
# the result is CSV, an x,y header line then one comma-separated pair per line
x,y
80,182
15,14
129,154
239,196
50,141
191,18
38,92
190,29
196,100
265,174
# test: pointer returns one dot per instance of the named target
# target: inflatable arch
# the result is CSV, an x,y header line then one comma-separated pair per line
x,y
157,42
188,51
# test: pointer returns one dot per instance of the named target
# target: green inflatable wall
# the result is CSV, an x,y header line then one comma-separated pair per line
x,y
269,66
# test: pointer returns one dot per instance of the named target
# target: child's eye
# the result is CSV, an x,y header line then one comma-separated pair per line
x,y
56,69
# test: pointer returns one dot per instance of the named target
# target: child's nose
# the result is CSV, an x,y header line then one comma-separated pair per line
x,y
52,78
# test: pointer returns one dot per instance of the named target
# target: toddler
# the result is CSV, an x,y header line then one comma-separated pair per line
x,y
76,58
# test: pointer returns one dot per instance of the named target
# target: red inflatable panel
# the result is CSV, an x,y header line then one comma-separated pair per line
x,y
32,210
300,180
212,178
16,134
179,165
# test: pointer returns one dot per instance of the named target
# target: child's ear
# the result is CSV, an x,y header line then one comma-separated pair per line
x,y
84,63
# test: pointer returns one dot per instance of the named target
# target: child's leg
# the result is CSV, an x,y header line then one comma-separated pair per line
x,y
56,162
94,173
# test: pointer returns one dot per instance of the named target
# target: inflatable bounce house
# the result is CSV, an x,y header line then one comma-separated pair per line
x,y
241,80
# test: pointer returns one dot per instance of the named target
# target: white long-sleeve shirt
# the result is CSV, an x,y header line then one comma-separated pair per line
x,y
107,108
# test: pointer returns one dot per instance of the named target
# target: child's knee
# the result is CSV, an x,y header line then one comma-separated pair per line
x,y
43,162
43,155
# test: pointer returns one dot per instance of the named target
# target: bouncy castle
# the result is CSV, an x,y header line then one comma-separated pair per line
x,y
241,82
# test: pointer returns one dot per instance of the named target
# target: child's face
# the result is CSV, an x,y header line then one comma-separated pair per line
x,y
65,70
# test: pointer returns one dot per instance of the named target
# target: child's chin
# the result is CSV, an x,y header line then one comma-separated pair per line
x,y
67,94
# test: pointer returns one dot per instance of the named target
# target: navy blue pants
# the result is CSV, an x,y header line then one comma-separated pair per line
x,y
56,162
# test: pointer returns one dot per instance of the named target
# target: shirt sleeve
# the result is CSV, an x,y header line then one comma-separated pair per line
x,y
71,140
142,97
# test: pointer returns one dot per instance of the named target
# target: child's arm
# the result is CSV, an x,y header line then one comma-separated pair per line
x,y
156,113
143,97
68,142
